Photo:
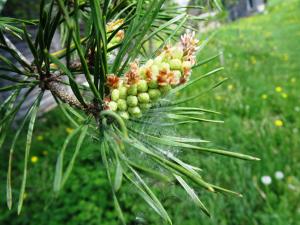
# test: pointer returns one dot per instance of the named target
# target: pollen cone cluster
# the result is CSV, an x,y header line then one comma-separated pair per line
x,y
142,86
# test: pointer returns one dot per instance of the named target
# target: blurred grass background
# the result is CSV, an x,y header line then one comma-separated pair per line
x,y
261,107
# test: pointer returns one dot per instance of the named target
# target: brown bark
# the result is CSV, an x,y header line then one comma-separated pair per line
x,y
59,91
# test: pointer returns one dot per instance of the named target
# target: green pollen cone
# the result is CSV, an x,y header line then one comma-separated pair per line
x,y
132,90
122,92
153,84
175,64
122,105
145,106
135,112
113,106
115,95
124,115
154,94
143,98
132,101
142,86
165,89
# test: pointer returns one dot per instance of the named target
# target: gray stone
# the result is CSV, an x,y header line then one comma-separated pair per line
x,y
245,8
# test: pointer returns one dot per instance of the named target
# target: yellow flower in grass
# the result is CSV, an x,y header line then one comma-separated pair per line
x,y
285,57
264,96
267,34
45,153
221,78
253,60
69,130
40,137
230,87
278,123
219,97
284,95
34,159
278,89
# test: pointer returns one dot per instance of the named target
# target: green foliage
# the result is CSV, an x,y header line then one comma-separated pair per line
x,y
256,72
86,197
259,56
130,150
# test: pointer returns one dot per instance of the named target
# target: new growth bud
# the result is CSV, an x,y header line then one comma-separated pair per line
x,y
135,112
115,95
143,98
122,92
113,106
132,90
144,107
154,94
165,89
132,101
153,84
144,85
122,105
124,115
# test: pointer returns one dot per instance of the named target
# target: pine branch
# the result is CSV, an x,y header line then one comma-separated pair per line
x,y
60,91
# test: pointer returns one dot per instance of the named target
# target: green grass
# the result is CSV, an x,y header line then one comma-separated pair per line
x,y
260,53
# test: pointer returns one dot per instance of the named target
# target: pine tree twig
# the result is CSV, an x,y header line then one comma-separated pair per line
x,y
60,91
